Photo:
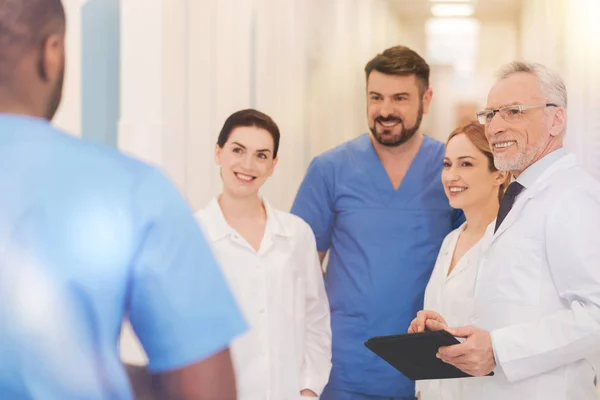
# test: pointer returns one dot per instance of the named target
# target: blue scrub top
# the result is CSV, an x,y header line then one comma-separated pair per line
x,y
383,245
87,237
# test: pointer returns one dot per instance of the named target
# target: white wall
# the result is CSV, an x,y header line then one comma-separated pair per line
x,y
345,35
498,44
188,64
68,116
563,35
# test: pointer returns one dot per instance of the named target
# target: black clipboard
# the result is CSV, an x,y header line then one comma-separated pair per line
x,y
413,354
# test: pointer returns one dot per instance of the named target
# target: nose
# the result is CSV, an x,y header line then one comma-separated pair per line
x,y
246,162
495,127
450,175
386,109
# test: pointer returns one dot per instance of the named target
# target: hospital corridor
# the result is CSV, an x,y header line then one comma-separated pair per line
x,y
210,191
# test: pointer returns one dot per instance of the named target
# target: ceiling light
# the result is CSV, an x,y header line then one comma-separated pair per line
x,y
452,10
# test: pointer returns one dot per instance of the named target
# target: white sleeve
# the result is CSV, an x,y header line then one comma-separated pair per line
x,y
317,359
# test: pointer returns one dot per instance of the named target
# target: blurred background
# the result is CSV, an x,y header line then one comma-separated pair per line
x,y
157,78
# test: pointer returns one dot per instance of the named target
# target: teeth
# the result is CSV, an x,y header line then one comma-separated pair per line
x,y
388,124
457,189
504,144
244,177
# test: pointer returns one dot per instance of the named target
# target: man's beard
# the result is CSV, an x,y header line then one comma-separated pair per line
x,y
404,136
520,162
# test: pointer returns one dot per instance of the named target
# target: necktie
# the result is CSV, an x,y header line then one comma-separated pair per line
x,y
507,202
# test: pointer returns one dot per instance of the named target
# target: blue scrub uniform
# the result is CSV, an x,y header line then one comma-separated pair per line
x,y
87,238
383,245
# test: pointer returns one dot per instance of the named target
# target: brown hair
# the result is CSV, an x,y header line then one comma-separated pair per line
x,y
400,60
476,134
250,117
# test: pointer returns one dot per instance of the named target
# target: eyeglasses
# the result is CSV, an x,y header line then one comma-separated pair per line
x,y
509,113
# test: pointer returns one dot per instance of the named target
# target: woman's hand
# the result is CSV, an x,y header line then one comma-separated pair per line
x,y
427,319
308,393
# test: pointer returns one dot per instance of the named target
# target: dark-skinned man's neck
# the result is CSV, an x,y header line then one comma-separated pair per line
x,y
10,104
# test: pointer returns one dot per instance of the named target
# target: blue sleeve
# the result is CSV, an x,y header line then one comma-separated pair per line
x,y
458,218
314,204
180,306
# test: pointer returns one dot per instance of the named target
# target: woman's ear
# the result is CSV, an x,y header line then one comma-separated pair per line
x,y
218,151
275,161
501,177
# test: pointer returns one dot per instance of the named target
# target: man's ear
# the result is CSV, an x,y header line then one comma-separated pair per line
x,y
558,122
427,96
52,58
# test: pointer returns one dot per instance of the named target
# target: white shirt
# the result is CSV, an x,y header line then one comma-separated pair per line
x,y
451,295
538,291
281,293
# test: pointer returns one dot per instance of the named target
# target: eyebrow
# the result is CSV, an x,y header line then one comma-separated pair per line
x,y
460,158
514,103
244,147
395,94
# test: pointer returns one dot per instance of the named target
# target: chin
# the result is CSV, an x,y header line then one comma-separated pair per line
x,y
243,192
455,204
508,164
458,203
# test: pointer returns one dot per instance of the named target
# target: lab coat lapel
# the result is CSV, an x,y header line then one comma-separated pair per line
x,y
529,193
514,213
274,229
447,252
465,262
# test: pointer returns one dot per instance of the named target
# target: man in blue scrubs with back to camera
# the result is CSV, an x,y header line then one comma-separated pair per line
x,y
89,237
377,204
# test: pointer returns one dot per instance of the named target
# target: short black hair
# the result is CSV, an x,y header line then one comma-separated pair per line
x,y
249,117
23,25
400,60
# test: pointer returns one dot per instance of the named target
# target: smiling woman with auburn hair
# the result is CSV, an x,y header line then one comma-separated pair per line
x,y
474,185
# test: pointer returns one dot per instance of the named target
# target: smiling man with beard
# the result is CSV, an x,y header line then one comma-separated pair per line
x,y
377,204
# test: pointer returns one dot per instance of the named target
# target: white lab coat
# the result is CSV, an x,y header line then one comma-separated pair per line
x,y
281,293
538,291
452,297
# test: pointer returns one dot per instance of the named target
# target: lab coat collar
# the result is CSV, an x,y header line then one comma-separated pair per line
x,y
466,262
528,177
449,248
545,179
215,224
217,227
274,223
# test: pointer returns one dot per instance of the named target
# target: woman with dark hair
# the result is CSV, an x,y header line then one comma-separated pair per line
x,y
271,262
474,185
